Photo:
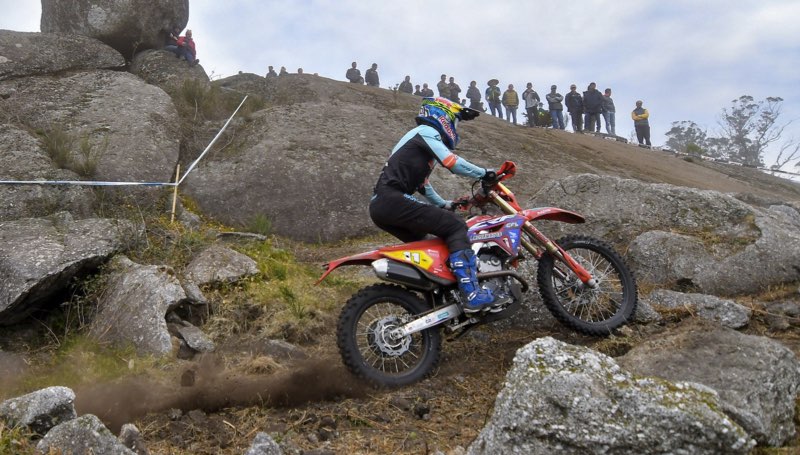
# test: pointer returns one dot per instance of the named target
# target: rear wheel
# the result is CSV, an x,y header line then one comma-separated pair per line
x,y
592,311
365,341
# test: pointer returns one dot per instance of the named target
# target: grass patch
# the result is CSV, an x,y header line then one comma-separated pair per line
x,y
81,361
283,302
68,151
16,441
260,224
170,243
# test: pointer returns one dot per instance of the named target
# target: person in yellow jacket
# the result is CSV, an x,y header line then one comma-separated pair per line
x,y
642,125
511,102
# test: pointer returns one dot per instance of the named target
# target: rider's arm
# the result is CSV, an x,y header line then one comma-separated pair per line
x,y
431,194
448,159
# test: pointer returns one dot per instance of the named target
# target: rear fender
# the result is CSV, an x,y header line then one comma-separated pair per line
x,y
553,214
429,256
358,259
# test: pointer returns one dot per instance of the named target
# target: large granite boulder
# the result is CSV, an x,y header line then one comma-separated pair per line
x,y
40,410
35,54
165,70
338,168
85,435
40,257
128,26
123,140
132,311
756,377
23,159
559,398
714,241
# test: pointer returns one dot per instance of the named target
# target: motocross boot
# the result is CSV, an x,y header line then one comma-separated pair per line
x,y
464,266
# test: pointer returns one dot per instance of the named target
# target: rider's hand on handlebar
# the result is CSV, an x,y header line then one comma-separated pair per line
x,y
459,203
489,177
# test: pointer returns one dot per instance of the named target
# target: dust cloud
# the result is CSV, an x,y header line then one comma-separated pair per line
x,y
209,387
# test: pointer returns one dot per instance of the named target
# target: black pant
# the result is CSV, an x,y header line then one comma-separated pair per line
x,y
532,114
643,134
577,120
410,220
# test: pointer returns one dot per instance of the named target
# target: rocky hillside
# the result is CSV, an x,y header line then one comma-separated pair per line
x,y
207,333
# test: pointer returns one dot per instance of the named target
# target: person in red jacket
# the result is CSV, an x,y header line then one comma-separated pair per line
x,y
187,47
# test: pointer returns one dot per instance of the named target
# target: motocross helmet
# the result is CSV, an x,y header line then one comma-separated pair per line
x,y
443,115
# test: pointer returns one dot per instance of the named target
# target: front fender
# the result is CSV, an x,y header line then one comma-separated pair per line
x,y
553,214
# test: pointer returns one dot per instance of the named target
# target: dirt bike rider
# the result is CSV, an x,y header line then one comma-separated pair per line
x,y
394,209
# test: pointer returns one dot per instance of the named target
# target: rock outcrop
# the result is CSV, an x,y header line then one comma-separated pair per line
x,y
40,257
162,68
24,159
128,26
713,241
86,434
339,168
37,54
118,139
133,309
757,378
565,399
40,410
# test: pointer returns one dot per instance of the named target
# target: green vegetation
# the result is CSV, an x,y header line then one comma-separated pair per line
x,y
199,101
16,441
81,360
282,302
82,159
260,224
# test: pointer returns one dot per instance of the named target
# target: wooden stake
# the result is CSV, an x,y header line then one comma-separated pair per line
x,y
175,193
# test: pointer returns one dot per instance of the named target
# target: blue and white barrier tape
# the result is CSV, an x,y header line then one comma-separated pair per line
x,y
101,183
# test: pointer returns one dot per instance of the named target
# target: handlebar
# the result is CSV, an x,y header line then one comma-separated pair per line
x,y
488,183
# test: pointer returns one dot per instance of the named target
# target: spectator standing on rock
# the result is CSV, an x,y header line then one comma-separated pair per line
x,y
443,87
454,90
354,74
593,106
532,101
511,102
609,112
405,86
474,96
493,96
283,71
426,91
555,107
574,104
271,72
371,76
640,118
417,90
189,49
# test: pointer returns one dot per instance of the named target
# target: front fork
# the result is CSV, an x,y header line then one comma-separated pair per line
x,y
550,246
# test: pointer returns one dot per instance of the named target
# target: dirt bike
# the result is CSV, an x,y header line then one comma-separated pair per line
x,y
390,334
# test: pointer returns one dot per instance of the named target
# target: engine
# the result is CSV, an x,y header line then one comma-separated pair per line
x,y
494,260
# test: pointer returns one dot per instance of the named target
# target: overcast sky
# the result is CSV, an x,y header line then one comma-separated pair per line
x,y
686,59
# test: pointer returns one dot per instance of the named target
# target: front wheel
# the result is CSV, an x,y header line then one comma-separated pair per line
x,y
366,344
591,311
